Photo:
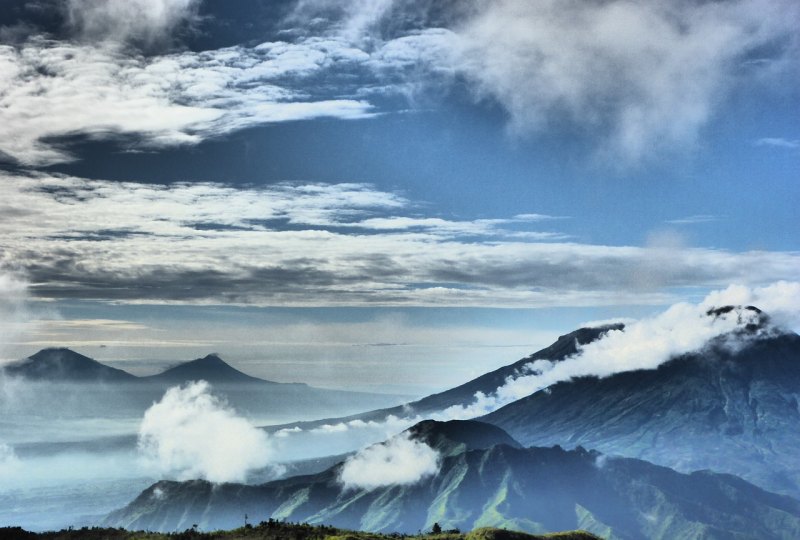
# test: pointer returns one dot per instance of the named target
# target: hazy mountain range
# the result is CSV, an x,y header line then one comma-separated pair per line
x,y
104,390
616,455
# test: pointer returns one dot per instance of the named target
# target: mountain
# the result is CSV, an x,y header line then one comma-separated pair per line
x,y
732,410
457,436
565,346
210,368
61,364
530,489
65,365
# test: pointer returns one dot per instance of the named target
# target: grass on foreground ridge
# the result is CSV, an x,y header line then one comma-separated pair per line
x,y
275,530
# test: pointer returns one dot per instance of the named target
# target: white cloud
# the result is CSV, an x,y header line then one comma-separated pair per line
x,y
639,77
692,220
647,343
51,89
780,300
191,433
779,142
398,461
649,74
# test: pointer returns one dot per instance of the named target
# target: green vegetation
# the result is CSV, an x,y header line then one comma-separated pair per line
x,y
278,530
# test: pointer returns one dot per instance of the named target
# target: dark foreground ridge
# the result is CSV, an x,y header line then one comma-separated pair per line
x,y
276,530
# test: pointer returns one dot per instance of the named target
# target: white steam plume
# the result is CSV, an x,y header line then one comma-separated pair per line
x,y
780,300
644,344
14,315
192,433
398,461
9,463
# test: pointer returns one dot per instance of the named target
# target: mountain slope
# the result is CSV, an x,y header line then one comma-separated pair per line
x,y
565,346
61,364
734,412
533,489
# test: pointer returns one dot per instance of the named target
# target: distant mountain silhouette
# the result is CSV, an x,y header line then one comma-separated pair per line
x,y
531,489
125,394
210,368
61,364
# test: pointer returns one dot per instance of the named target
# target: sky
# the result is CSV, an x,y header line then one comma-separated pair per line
x,y
388,195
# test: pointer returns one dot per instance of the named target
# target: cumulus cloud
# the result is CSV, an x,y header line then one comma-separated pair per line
x,y
399,461
647,343
314,244
192,433
145,21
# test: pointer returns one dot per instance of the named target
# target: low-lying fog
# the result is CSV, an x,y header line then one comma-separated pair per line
x,y
71,453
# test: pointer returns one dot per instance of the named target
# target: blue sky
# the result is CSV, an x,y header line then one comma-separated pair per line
x,y
453,184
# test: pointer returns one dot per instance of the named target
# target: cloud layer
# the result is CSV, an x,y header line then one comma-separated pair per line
x,y
396,462
327,245
639,78
191,433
